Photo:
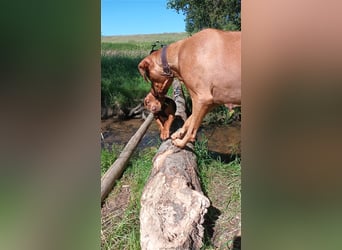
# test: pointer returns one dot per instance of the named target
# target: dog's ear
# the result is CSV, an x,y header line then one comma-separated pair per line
x,y
144,68
153,92
145,102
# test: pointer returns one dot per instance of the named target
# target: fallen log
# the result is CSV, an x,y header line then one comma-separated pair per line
x,y
172,203
117,168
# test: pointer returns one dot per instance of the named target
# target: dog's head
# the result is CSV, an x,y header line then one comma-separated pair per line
x,y
151,69
153,103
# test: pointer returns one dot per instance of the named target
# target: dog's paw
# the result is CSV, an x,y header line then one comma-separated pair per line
x,y
177,135
174,136
179,143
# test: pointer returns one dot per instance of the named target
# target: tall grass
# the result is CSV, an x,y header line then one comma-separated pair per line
x,y
121,83
149,38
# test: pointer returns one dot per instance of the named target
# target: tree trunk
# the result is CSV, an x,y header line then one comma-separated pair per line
x,y
172,203
116,169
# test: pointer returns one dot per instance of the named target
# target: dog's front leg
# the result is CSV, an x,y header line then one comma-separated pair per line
x,y
179,134
199,111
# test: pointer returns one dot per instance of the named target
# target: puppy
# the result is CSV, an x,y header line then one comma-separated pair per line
x,y
164,109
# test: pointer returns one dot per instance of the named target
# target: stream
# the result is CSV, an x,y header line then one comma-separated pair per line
x,y
223,140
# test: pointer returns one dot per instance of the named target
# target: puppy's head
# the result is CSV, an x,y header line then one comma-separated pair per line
x,y
153,103
150,68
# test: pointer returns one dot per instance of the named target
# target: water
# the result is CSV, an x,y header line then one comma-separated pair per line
x,y
223,141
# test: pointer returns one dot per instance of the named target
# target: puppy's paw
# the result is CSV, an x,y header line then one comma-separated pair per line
x,y
164,134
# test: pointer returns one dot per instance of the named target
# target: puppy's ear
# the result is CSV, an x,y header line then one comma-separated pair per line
x,y
144,68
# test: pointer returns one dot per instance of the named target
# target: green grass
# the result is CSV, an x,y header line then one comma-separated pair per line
x,y
124,232
109,156
221,183
121,83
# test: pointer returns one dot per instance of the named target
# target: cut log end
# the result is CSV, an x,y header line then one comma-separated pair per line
x,y
172,203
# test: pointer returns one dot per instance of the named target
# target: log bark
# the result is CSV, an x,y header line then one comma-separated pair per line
x,y
172,203
117,168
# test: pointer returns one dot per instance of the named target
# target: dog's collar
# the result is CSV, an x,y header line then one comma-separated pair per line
x,y
166,66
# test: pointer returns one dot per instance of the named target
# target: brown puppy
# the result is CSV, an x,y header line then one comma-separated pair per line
x,y
164,110
209,64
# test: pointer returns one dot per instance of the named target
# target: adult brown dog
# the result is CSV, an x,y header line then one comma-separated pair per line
x,y
164,112
209,64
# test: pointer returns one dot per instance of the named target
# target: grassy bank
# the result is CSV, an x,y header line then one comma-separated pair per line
x,y
121,83
220,182
121,229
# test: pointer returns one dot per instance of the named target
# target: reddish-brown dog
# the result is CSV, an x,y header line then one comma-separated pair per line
x,y
209,64
164,110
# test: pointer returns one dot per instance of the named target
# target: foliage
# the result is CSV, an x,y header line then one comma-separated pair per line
x,y
202,153
200,14
221,115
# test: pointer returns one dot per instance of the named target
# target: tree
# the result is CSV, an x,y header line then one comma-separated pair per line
x,y
200,14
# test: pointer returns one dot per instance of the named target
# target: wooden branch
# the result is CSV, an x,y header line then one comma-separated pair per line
x,y
172,203
116,169
178,97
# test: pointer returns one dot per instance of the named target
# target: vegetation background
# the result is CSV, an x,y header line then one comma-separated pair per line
x,y
123,87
